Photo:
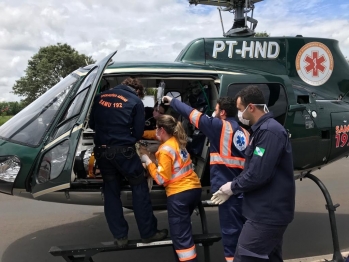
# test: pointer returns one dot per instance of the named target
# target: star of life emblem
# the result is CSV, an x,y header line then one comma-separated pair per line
x,y
184,154
239,140
314,63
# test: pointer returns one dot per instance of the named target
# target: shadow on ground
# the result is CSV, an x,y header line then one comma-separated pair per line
x,y
35,247
308,235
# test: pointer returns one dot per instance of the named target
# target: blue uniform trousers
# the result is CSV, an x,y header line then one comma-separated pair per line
x,y
180,206
112,170
231,222
260,243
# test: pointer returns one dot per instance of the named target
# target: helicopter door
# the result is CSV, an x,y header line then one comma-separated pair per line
x,y
54,169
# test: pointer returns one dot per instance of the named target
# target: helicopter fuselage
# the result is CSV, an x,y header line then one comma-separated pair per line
x,y
305,82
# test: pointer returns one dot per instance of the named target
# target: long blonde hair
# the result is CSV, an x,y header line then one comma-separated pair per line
x,y
173,128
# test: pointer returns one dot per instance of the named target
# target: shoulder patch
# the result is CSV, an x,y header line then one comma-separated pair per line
x,y
239,140
259,151
184,155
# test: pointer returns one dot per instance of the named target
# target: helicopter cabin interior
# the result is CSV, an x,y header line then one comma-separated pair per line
x,y
200,93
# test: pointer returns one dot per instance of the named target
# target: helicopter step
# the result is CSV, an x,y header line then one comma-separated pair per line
x,y
85,252
75,253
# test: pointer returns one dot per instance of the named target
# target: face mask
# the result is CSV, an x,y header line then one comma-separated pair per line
x,y
213,114
266,110
157,135
241,119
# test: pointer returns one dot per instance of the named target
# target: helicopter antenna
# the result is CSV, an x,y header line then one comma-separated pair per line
x,y
240,9
246,6
220,15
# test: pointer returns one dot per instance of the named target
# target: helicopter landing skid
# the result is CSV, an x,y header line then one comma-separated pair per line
x,y
85,252
337,256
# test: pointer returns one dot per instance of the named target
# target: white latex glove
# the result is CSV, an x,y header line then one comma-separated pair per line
x,y
145,159
219,198
226,189
167,100
150,182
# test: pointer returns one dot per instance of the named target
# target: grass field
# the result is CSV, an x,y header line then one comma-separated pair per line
x,y
3,119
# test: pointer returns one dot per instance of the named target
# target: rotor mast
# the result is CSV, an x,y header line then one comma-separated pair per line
x,y
240,9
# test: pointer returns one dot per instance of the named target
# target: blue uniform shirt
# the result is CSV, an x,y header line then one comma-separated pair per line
x,y
212,128
267,180
117,116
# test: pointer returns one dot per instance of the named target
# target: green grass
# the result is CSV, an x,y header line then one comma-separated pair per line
x,y
3,119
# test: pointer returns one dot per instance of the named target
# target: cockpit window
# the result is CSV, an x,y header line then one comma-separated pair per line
x,y
274,94
29,125
70,117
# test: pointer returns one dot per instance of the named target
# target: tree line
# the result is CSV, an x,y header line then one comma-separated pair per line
x,y
46,68
10,108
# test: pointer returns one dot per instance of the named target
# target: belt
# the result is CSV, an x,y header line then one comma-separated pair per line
x,y
117,149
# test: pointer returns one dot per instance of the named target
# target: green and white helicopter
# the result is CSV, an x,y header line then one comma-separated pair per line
x,y
45,150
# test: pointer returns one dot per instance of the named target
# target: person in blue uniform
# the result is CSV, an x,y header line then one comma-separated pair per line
x,y
117,116
267,182
227,144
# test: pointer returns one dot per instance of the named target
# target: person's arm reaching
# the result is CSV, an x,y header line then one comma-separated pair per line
x,y
198,119
149,134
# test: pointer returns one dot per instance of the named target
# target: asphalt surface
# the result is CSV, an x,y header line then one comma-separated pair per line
x,y
29,228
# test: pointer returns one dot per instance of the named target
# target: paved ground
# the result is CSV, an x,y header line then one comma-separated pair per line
x,y
29,228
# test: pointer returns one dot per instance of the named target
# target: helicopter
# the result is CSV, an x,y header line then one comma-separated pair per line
x,y
46,149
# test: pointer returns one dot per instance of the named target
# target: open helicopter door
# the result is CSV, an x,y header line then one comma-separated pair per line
x,y
54,168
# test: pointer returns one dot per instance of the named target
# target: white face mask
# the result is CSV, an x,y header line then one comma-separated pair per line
x,y
241,119
213,114
247,122
266,110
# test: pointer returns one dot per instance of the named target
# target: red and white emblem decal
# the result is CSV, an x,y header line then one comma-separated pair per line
x,y
314,63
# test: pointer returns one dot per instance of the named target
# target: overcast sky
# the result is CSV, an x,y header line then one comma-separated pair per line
x,y
151,30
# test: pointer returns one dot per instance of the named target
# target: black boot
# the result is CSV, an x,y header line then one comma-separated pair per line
x,y
121,242
159,235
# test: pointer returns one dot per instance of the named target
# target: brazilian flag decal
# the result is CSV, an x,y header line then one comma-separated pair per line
x,y
259,151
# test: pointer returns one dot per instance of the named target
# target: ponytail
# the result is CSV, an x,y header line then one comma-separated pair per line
x,y
173,128
180,135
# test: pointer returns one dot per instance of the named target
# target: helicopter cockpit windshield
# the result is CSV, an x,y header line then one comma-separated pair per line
x,y
29,126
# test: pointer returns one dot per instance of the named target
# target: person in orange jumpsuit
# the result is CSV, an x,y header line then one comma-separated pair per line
x,y
175,172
